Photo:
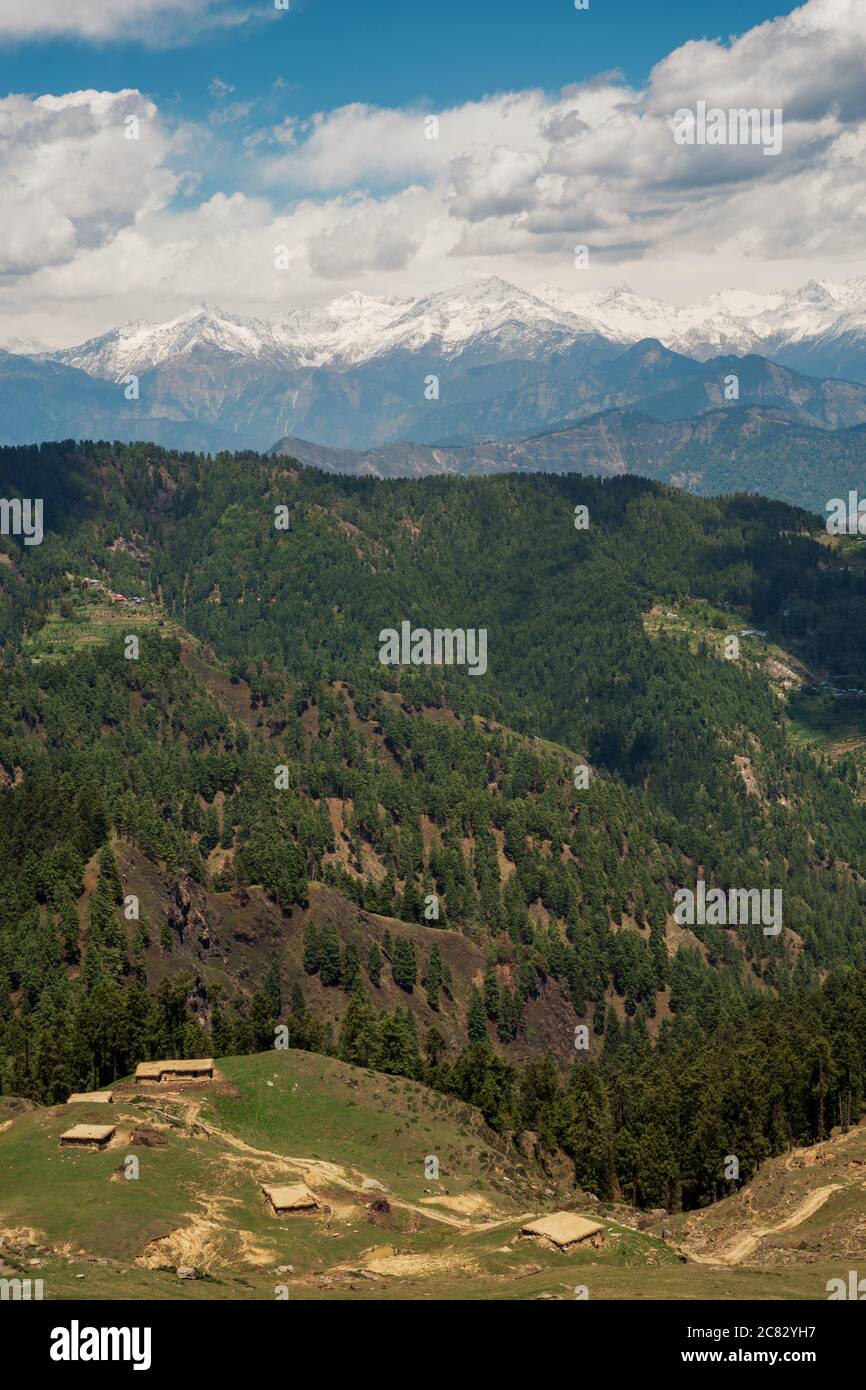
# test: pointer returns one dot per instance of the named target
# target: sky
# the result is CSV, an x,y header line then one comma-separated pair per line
x,y
166,152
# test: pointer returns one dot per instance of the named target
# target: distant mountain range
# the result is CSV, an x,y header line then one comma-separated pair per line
x,y
469,376
820,329
737,449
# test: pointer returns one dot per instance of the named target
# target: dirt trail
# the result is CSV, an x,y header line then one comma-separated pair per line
x,y
209,1241
746,1244
319,1170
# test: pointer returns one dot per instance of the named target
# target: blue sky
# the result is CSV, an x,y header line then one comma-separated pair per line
x,y
302,136
386,52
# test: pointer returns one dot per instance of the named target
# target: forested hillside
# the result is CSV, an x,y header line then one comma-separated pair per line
x,y
755,448
286,810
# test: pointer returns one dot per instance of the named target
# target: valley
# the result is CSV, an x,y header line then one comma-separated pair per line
x,y
432,680
244,816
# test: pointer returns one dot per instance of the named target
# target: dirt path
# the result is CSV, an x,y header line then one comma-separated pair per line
x,y
326,1173
747,1244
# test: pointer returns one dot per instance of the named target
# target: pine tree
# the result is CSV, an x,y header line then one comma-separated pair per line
x,y
405,965
491,993
299,1007
351,966
477,1026
109,871
374,964
273,989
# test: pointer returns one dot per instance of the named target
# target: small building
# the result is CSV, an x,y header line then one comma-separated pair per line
x,y
564,1229
184,1069
91,1098
149,1071
295,1197
191,1066
88,1136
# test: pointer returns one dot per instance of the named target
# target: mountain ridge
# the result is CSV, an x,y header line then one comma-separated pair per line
x,y
486,367
356,327
757,449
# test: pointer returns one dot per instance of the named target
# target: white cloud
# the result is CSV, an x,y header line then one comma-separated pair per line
x,y
809,62
370,236
71,177
364,146
362,198
149,21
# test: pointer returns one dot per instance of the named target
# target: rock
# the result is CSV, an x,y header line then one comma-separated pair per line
x,y
148,1138
186,1272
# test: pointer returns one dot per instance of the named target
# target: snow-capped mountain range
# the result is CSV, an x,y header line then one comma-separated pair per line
x,y
350,330
508,364
491,320
731,321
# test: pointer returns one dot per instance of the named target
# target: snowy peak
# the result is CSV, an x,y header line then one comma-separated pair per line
x,y
489,310
140,346
487,320
616,313
353,328
729,321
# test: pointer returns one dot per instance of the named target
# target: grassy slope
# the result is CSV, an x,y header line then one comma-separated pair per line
x,y
328,1125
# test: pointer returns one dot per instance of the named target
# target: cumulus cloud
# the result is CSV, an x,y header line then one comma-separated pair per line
x,y
599,162
362,145
374,237
810,62
363,197
73,177
150,21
